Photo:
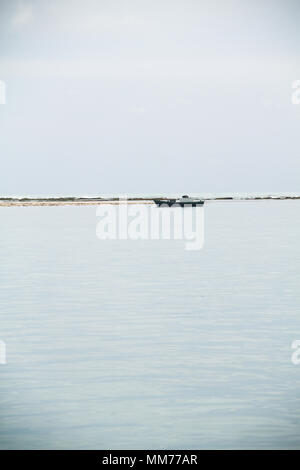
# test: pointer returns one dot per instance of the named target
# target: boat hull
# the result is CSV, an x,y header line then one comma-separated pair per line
x,y
177,203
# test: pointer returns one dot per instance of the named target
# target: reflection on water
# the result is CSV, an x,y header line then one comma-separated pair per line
x,y
142,344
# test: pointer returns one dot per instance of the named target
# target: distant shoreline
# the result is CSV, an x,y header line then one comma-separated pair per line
x,y
73,201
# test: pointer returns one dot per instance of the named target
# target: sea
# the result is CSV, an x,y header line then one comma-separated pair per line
x,y
142,344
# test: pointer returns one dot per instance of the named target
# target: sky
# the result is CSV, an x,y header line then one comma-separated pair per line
x,y
124,97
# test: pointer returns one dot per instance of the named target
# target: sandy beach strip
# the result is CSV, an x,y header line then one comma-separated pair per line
x,y
92,202
69,203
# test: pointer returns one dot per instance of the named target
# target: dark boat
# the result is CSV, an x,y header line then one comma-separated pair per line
x,y
182,202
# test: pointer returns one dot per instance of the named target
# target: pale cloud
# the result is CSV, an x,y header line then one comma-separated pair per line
x,y
102,23
96,18
23,15
138,110
244,71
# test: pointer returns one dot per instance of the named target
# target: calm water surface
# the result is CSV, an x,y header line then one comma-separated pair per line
x,y
142,344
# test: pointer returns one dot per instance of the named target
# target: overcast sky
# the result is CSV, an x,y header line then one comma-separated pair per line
x,y
149,96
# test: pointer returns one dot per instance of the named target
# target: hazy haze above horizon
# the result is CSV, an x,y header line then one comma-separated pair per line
x,y
145,97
